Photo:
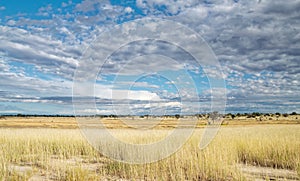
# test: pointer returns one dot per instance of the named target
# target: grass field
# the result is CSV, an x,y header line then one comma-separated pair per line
x,y
116,123
239,152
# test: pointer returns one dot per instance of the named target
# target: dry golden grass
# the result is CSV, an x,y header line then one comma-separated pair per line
x,y
63,154
38,122
128,122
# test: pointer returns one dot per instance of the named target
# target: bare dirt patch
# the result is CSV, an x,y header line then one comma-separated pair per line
x,y
267,173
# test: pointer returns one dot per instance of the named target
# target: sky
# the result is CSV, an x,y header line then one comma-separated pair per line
x,y
50,49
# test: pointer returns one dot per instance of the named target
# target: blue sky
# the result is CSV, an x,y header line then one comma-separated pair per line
x,y
256,43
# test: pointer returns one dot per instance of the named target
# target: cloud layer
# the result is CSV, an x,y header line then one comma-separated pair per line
x,y
256,42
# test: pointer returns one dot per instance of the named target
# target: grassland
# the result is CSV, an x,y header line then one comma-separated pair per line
x,y
132,122
37,150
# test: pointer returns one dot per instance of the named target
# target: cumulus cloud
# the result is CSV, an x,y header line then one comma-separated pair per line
x,y
166,7
256,45
256,42
43,52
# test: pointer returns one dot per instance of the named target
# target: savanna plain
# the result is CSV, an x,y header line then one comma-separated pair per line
x,y
245,148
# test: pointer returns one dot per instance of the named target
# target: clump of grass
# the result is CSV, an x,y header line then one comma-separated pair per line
x,y
276,147
189,163
76,174
36,147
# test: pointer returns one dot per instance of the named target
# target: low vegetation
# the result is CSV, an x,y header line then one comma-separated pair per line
x,y
63,154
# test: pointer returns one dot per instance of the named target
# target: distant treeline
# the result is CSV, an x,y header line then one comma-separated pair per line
x,y
257,114
201,115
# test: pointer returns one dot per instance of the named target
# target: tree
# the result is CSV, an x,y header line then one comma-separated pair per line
x,y
214,115
177,116
232,116
198,116
255,114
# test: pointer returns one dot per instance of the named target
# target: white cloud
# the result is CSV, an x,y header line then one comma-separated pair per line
x,y
44,52
173,7
141,95
128,10
255,41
